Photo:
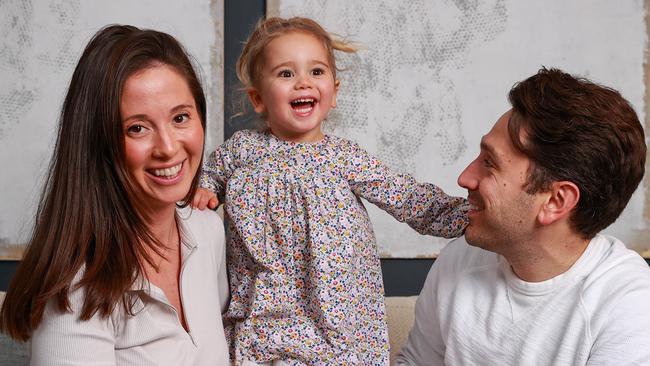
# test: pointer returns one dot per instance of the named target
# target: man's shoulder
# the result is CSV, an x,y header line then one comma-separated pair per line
x,y
615,260
618,272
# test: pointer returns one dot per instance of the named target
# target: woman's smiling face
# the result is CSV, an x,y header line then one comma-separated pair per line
x,y
163,135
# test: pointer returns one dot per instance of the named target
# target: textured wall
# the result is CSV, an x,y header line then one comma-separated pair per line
x,y
41,42
432,78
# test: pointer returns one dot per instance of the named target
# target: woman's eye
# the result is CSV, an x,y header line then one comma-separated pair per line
x,y
181,118
285,74
135,129
318,72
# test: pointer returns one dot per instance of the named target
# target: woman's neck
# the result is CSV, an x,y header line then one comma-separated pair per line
x,y
162,224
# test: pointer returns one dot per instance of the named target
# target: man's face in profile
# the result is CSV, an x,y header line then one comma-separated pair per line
x,y
503,213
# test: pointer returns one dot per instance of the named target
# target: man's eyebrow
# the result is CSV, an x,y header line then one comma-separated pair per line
x,y
490,150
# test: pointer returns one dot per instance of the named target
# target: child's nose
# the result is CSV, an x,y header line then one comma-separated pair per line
x,y
303,82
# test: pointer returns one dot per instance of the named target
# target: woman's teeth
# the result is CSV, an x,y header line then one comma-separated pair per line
x,y
167,172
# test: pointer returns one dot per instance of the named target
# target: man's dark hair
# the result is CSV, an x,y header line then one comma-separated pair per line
x,y
575,130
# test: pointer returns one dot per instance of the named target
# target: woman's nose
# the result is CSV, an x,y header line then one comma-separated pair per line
x,y
165,144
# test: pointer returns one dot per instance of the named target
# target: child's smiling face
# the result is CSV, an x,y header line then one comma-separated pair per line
x,y
296,87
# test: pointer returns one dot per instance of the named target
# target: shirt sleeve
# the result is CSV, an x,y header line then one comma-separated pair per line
x,y
423,206
424,345
64,339
624,338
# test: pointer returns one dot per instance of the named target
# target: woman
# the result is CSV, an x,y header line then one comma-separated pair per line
x,y
116,272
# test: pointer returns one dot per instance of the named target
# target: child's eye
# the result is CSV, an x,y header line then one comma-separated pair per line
x,y
285,74
318,72
181,118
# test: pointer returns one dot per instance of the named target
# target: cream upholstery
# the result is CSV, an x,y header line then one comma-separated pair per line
x,y
400,313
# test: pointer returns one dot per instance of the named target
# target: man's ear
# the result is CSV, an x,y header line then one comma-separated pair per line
x,y
256,100
337,83
562,198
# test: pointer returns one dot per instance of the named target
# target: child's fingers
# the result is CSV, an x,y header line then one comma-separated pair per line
x,y
213,203
200,200
196,201
205,199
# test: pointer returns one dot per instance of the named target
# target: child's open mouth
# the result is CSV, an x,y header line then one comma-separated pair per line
x,y
303,105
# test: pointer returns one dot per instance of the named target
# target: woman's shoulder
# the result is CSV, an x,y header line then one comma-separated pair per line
x,y
202,228
198,221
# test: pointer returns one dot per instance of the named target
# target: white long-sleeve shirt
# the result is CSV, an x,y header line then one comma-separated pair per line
x,y
154,334
473,310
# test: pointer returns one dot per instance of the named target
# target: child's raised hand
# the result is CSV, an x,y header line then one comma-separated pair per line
x,y
205,198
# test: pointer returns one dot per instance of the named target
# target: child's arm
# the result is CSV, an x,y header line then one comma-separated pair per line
x,y
214,175
423,206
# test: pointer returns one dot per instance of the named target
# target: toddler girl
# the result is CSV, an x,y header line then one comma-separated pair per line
x,y
305,278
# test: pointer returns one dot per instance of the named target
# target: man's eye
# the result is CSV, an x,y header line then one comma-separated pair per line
x,y
285,74
181,118
487,163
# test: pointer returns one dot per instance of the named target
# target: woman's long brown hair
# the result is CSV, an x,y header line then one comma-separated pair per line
x,y
88,217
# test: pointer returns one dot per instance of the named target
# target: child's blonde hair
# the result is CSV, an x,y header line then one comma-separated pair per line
x,y
251,60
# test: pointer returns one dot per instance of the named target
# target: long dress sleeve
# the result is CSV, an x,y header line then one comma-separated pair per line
x,y
218,167
423,206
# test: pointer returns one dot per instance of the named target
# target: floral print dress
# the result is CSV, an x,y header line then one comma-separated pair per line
x,y
305,276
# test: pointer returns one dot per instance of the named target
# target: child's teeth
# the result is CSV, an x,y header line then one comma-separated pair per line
x,y
167,172
304,110
303,101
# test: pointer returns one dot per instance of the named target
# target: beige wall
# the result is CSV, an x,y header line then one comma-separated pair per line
x,y
644,236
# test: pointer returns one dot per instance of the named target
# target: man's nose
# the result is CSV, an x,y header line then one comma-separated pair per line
x,y
468,179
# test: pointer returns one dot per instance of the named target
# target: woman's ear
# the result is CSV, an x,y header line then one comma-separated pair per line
x,y
562,198
256,100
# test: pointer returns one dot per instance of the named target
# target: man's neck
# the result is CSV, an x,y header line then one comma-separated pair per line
x,y
546,256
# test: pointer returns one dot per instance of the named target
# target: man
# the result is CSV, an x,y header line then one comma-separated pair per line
x,y
537,284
